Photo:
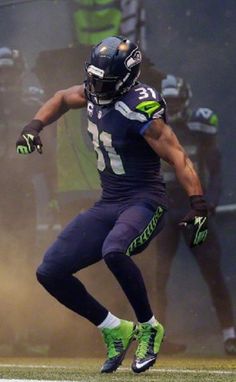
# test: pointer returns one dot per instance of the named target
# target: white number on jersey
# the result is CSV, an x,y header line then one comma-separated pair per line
x,y
145,93
106,139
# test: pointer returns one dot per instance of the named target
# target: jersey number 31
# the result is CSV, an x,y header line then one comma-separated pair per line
x,y
106,140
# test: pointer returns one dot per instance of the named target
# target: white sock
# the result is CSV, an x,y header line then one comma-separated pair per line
x,y
152,321
110,322
228,333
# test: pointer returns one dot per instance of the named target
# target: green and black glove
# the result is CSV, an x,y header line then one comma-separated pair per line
x,y
29,140
196,221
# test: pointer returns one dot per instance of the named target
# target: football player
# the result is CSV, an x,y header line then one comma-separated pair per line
x,y
197,130
127,125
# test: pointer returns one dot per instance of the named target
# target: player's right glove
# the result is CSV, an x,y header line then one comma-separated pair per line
x,y
29,139
195,222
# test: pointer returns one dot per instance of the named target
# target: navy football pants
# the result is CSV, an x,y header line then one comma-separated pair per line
x,y
114,231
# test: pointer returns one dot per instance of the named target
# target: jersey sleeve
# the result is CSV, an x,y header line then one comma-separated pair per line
x,y
141,106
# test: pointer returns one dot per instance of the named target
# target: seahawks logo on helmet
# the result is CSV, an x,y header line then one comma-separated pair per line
x,y
133,59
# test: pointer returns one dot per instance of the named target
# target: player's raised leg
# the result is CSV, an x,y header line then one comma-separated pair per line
x,y
75,249
134,229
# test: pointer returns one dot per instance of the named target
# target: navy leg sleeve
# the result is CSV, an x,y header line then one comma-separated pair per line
x,y
76,247
71,292
167,243
131,281
133,231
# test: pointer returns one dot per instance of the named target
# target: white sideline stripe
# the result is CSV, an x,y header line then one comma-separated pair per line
x,y
160,370
34,380
188,371
16,365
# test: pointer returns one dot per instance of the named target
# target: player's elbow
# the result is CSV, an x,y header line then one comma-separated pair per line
x,y
60,99
59,96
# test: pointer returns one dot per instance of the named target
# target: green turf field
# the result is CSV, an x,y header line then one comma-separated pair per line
x,y
167,369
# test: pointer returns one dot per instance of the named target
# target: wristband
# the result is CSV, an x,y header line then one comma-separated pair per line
x,y
198,203
35,125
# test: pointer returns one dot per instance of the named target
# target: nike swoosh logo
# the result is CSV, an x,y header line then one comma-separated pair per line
x,y
140,365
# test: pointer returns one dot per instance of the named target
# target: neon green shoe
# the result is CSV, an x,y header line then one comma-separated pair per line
x,y
117,341
149,341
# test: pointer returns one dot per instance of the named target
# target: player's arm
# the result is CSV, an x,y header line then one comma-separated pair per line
x,y
165,143
60,103
50,111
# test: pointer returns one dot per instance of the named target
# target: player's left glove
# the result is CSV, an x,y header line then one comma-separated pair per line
x,y
29,140
195,222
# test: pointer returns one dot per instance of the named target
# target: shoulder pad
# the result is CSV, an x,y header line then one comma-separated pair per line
x,y
204,120
144,102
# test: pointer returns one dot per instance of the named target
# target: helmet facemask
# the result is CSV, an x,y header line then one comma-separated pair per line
x,y
100,90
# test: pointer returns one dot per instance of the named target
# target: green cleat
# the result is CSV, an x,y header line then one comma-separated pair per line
x,y
149,341
117,341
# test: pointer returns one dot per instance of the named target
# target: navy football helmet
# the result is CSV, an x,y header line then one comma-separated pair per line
x,y
177,94
112,70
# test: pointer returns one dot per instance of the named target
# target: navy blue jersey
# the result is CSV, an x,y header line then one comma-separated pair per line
x,y
127,165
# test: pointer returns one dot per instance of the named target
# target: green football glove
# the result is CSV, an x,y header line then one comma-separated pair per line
x,y
29,140
195,223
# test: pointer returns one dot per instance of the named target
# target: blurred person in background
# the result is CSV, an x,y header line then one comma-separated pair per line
x,y
131,209
197,131
17,103
23,186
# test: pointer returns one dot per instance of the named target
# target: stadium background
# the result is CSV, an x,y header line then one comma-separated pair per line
x,y
195,41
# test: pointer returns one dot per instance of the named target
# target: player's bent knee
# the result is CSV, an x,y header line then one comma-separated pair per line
x,y
116,261
112,258
46,275
42,276
42,279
